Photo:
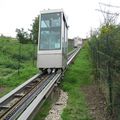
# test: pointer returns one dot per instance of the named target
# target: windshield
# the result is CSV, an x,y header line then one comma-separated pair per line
x,y
50,31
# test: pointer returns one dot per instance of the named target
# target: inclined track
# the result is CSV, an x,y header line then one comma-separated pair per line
x,y
9,107
20,101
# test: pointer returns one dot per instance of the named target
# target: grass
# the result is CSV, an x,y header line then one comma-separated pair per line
x,y
44,110
70,45
14,55
77,76
17,79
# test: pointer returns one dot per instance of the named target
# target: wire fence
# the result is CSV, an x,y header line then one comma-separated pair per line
x,y
107,72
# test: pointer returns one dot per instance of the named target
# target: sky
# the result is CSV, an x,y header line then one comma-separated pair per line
x,y
82,14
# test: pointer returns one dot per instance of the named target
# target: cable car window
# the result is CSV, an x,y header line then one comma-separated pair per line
x,y
50,31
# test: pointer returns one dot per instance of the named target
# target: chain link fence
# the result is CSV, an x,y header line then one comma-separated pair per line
x,y
106,61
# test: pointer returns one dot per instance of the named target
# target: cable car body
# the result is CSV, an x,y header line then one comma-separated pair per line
x,y
52,40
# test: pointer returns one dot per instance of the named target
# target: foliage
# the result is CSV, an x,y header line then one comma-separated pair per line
x,y
70,45
108,40
105,51
22,36
35,29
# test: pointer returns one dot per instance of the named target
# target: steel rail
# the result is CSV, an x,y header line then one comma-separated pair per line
x,y
32,96
71,52
27,113
73,55
22,94
18,88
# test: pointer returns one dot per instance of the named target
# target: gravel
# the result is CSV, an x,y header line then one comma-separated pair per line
x,y
57,108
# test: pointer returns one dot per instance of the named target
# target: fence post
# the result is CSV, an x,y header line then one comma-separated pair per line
x,y
19,58
109,78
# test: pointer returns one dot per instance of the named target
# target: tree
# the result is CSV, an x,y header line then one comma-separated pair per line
x,y
22,36
35,29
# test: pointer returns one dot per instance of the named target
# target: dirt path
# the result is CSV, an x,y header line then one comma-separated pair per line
x,y
96,103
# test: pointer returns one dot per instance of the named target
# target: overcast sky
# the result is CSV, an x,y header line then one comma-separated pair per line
x,y
81,14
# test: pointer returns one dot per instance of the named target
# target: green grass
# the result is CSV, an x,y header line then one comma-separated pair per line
x,y
44,110
14,55
77,76
70,49
16,79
